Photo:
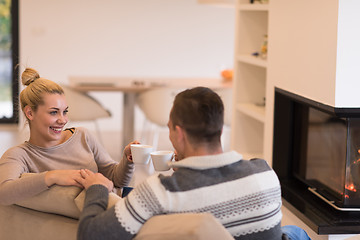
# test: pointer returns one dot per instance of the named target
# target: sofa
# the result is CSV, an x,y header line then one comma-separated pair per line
x,y
23,223
54,214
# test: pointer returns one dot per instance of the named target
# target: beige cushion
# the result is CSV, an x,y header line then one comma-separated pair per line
x,y
190,226
64,200
58,199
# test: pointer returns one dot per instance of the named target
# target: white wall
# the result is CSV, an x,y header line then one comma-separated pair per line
x,y
314,49
347,66
302,52
303,47
143,38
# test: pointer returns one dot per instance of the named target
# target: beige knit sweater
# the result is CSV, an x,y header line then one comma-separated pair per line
x,y
80,151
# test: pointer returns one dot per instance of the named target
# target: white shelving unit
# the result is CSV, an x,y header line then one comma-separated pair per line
x,y
252,7
256,61
249,111
252,110
220,3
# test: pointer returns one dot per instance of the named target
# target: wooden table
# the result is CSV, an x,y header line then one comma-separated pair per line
x,y
132,86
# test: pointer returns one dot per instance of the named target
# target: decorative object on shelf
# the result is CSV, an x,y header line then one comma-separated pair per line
x,y
263,50
227,74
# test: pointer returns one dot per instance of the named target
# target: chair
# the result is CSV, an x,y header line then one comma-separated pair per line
x,y
156,105
83,107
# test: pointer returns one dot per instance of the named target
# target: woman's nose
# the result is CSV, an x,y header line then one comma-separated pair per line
x,y
62,119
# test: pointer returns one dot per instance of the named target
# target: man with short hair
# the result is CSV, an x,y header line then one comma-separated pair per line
x,y
243,195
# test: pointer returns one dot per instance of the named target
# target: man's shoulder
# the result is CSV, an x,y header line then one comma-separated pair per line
x,y
254,165
259,162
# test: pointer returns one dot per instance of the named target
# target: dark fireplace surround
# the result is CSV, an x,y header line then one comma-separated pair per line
x,y
316,154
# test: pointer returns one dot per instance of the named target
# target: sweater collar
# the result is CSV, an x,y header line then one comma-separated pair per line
x,y
209,161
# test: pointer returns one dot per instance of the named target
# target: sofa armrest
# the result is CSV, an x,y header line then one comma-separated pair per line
x,y
22,223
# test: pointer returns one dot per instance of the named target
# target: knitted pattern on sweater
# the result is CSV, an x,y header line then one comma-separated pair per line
x,y
243,195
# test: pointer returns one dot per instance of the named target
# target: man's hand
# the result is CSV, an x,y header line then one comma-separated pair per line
x,y
89,178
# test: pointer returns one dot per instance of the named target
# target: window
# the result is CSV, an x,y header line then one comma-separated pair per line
x,y
9,54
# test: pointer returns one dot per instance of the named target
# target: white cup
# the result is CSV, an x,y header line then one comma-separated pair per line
x,y
140,153
161,160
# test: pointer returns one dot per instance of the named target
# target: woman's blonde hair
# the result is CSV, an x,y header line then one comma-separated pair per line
x,y
35,88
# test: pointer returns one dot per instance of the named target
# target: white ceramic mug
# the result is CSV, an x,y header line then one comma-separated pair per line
x,y
140,153
161,160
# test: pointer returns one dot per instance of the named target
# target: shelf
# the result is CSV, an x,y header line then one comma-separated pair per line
x,y
250,78
253,7
257,61
218,3
252,110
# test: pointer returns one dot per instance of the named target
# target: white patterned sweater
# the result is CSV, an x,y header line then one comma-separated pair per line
x,y
243,195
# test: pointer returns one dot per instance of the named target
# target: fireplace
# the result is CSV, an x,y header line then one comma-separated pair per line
x,y
316,154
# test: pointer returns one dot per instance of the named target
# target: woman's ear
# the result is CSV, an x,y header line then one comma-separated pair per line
x,y
29,113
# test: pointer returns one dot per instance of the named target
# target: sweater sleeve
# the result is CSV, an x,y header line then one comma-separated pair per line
x,y
13,188
95,221
118,172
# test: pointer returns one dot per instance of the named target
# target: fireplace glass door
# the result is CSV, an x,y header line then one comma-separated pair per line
x,y
320,146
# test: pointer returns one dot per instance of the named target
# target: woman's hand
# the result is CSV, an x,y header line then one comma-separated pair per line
x,y
63,178
88,178
127,151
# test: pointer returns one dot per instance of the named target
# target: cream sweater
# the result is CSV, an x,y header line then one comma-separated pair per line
x,y
243,195
80,151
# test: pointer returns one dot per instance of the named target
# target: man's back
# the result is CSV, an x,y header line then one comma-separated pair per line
x,y
243,195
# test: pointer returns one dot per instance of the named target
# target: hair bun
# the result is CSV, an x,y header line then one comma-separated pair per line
x,y
29,76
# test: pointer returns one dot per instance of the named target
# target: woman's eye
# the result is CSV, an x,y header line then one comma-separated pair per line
x,y
53,112
66,111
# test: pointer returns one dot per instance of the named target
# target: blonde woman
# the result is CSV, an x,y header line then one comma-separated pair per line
x,y
55,154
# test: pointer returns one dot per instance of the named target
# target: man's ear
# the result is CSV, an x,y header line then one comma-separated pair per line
x,y
182,136
29,113
180,132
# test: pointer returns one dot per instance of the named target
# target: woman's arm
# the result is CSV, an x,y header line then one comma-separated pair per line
x,y
123,171
16,190
13,191
118,172
14,187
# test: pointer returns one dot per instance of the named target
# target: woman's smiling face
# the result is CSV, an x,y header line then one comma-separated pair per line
x,y
48,121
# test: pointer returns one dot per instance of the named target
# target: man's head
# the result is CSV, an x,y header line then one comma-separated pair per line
x,y
199,113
